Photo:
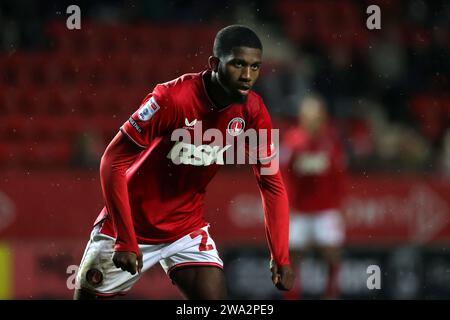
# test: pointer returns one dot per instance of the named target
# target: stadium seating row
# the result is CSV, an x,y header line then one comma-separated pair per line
x,y
50,154
71,100
432,114
330,22
20,129
43,69
134,39
338,23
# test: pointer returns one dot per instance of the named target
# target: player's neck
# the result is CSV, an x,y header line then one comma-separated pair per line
x,y
215,92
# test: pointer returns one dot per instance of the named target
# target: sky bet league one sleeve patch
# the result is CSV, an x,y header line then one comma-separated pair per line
x,y
148,109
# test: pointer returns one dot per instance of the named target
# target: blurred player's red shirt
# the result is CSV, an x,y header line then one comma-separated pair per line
x,y
314,169
167,199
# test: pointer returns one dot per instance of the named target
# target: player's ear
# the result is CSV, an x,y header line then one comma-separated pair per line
x,y
213,63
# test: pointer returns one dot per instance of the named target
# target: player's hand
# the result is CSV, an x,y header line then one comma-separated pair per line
x,y
127,261
282,277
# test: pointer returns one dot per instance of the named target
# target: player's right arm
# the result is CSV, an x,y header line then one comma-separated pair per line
x,y
120,154
152,120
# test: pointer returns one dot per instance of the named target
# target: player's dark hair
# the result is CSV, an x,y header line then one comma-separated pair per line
x,y
235,36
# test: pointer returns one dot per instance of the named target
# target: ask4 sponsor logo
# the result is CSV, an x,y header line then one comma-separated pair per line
x,y
202,155
197,148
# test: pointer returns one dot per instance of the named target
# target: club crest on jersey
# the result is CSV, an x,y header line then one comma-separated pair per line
x,y
94,277
148,109
236,126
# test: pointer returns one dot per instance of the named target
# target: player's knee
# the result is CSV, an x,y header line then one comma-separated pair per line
x,y
218,288
218,292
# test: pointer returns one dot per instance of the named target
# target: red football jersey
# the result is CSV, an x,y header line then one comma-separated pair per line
x,y
166,184
315,170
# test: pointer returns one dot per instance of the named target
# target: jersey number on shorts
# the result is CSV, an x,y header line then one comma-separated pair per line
x,y
204,234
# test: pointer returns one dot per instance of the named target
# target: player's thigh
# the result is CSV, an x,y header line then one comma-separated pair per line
x,y
300,232
97,273
194,265
201,282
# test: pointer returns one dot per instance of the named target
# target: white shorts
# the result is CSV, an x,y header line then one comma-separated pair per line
x,y
97,272
324,228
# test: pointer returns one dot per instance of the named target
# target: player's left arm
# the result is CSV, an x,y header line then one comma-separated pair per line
x,y
275,203
276,217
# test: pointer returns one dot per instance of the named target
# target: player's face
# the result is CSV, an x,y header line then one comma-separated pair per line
x,y
237,72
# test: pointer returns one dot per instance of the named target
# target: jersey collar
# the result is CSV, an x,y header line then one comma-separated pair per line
x,y
209,103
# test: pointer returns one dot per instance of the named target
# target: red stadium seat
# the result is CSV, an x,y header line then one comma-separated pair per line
x,y
431,114
72,42
8,98
46,154
331,22
109,100
28,101
11,154
71,126
12,128
15,72
84,101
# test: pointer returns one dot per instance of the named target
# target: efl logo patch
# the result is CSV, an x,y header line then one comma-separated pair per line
x,y
148,109
236,126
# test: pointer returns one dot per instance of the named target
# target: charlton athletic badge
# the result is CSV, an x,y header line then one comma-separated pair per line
x,y
236,126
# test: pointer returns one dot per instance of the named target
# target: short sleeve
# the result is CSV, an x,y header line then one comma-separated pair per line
x,y
155,117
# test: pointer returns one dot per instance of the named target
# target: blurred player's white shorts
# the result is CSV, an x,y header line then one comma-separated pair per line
x,y
323,228
97,272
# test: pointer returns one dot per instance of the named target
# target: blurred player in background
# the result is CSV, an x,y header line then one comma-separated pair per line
x,y
314,164
154,186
